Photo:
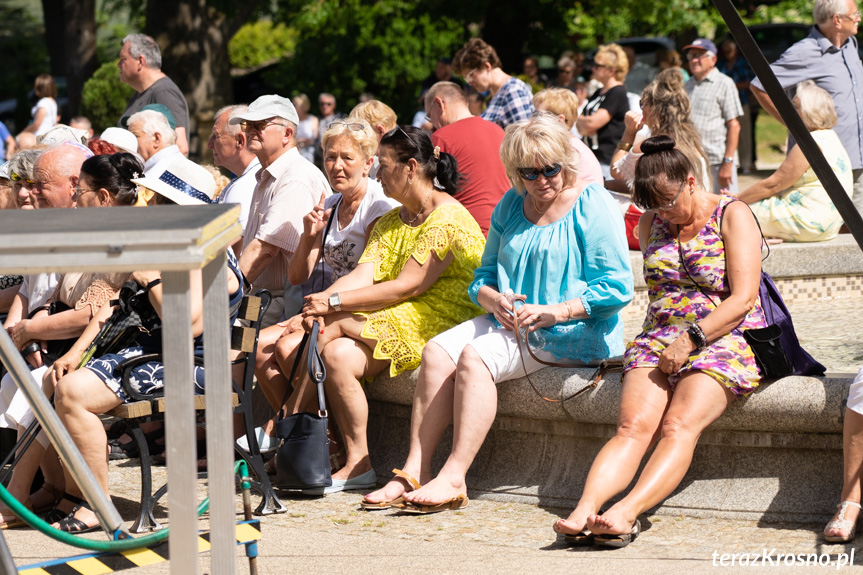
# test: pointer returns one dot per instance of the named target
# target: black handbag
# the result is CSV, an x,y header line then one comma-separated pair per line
x,y
303,455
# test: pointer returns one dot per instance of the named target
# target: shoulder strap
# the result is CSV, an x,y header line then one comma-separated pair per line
x,y
320,264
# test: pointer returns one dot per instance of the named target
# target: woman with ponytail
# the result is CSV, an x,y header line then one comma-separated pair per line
x,y
409,285
556,246
702,266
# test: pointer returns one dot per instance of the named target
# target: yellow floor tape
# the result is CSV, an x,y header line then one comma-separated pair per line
x,y
104,563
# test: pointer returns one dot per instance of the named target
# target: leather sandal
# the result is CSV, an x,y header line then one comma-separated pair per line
x,y
55,515
399,502
619,540
842,524
71,524
460,501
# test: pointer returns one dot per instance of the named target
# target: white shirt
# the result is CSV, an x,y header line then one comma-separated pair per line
x,y
240,190
50,114
159,162
38,288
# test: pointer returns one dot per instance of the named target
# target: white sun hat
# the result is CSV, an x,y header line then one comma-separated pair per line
x,y
184,182
123,140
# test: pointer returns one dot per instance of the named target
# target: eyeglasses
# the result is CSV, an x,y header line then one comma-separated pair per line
x,y
19,178
81,191
694,56
854,16
258,126
670,205
398,130
354,126
470,74
530,174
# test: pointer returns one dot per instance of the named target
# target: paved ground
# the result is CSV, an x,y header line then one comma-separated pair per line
x,y
330,535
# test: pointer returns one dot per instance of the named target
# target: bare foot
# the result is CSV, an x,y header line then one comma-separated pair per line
x,y
852,512
615,521
391,491
576,522
439,490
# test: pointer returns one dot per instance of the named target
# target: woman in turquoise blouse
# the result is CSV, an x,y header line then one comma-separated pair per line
x,y
559,245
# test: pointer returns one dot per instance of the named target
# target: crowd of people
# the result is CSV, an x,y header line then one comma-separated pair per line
x,y
479,251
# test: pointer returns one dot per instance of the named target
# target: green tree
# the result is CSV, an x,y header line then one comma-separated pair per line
x,y
104,97
260,42
25,58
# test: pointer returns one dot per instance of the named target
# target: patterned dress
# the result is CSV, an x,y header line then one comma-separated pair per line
x,y
149,376
675,304
402,330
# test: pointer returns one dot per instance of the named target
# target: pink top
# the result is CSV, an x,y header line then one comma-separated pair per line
x,y
589,169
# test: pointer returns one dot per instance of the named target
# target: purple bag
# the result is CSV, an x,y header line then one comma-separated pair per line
x,y
776,313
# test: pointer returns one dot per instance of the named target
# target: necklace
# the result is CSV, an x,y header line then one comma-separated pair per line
x,y
422,209
536,207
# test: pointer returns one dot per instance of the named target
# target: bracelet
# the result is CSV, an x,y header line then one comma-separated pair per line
x,y
568,310
624,146
696,334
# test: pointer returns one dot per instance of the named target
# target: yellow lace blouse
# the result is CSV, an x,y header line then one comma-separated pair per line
x,y
402,330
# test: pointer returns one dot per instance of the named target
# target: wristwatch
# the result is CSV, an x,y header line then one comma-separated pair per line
x,y
728,160
335,301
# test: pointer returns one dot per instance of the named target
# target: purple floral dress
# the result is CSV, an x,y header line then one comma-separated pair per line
x,y
675,304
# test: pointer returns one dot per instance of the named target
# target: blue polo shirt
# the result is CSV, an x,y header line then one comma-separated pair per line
x,y
837,70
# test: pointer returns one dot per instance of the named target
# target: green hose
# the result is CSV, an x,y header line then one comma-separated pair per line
x,y
36,522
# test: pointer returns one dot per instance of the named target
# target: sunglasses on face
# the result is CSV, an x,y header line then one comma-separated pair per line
x,y
258,126
530,174
19,178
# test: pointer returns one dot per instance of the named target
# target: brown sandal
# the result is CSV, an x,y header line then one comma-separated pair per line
x,y
458,502
399,502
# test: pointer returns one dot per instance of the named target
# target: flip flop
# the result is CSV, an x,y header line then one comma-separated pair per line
x,y
454,504
621,540
399,502
583,538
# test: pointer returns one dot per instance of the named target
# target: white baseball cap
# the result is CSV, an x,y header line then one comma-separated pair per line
x,y
269,106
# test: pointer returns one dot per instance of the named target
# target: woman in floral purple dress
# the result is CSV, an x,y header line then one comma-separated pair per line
x,y
702,265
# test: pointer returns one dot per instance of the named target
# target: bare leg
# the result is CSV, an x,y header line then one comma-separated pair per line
x,y
303,397
474,408
643,401
270,377
852,455
697,402
22,477
79,397
431,414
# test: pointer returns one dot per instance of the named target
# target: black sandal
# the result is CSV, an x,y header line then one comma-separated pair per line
x,y
56,514
71,524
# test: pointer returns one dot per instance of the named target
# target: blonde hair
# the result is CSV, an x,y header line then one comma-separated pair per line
x,y
302,102
376,113
613,56
365,140
815,106
558,101
542,140
221,180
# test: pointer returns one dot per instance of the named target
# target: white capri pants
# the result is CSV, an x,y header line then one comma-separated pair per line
x,y
496,347
15,410
855,393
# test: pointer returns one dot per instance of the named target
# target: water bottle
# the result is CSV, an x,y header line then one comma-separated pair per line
x,y
535,339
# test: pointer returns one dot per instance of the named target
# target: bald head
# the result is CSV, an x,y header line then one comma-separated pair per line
x,y
445,104
56,175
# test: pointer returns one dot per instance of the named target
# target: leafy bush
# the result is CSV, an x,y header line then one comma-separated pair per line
x,y
259,42
104,97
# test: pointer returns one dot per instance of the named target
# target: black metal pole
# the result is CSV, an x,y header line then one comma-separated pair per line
x,y
792,119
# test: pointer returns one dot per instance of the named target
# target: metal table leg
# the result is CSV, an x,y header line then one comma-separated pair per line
x,y
220,436
180,422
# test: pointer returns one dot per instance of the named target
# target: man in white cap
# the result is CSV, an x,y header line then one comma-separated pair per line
x,y
228,144
288,187
715,109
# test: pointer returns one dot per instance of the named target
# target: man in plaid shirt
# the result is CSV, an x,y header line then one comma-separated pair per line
x,y
511,99
715,109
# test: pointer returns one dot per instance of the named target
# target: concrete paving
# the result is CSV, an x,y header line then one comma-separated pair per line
x,y
330,535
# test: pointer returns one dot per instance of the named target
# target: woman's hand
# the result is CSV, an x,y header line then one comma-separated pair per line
x,y
534,316
676,354
503,310
317,304
633,122
19,333
66,364
143,278
291,324
315,221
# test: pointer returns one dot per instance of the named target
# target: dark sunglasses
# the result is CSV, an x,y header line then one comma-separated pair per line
x,y
530,174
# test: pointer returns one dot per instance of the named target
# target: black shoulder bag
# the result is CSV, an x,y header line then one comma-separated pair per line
x,y
303,456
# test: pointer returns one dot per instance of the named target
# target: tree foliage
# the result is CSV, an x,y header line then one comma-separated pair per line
x,y
260,42
104,97
25,57
350,46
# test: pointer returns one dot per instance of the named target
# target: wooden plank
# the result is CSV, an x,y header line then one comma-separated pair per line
x,y
250,308
200,403
242,338
132,410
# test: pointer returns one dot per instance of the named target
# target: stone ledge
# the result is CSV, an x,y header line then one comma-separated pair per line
x,y
775,456
838,257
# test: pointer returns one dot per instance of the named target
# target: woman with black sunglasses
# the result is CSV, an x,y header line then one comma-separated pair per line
x,y
555,262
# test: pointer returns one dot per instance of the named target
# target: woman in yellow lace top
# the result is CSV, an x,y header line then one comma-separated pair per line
x,y
410,284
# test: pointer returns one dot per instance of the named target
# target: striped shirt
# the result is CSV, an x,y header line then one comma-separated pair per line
x,y
287,190
715,102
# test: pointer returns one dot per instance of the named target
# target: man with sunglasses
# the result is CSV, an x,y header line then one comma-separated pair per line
x,y
829,57
288,187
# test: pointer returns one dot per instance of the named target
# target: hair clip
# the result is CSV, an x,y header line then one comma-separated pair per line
x,y
135,175
437,152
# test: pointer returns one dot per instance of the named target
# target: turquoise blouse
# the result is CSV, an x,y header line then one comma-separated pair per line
x,y
583,255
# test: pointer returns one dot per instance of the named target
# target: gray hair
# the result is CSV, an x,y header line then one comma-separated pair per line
x,y
824,10
143,45
815,106
23,162
233,111
153,122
